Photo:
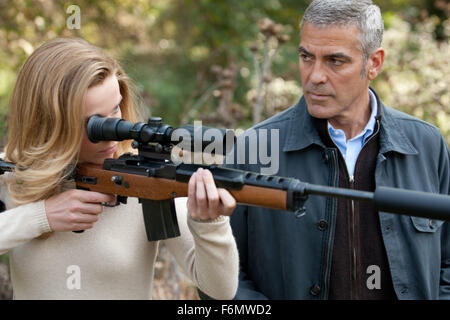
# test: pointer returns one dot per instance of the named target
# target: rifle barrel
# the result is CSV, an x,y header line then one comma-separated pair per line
x,y
399,201
338,192
264,192
414,203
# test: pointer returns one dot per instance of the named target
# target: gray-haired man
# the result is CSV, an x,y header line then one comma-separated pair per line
x,y
341,134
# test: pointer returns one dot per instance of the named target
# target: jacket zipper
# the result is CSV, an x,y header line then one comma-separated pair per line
x,y
353,272
330,248
353,275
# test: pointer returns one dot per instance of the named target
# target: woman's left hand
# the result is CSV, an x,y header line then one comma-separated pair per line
x,y
205,200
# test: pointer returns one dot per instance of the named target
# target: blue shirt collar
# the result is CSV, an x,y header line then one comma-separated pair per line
x,y
302,133
370,126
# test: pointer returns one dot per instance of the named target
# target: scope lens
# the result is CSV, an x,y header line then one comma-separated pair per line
x,y
108,129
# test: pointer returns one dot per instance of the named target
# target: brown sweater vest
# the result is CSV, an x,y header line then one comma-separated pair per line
x,y
358,249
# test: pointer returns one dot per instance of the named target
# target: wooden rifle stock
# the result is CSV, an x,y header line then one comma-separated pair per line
x,y
156,183
139,186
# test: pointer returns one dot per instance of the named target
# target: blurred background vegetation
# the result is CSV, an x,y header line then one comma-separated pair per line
x,y
228,62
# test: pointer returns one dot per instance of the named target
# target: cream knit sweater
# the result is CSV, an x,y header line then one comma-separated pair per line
x,y
113,260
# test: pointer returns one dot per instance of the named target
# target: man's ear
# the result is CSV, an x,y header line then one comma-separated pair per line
x,y
375,63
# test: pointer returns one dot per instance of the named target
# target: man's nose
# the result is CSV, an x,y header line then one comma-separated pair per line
x,y
318,74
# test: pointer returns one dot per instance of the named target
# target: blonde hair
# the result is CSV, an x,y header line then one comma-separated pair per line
x,y
46,110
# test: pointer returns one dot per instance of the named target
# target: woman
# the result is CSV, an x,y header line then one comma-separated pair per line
x,y
60,86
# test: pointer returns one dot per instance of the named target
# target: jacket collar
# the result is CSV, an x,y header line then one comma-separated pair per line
x,y
302,130
392,134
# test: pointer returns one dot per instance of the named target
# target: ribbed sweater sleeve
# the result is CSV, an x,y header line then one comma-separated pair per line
x,y
207,253
22,224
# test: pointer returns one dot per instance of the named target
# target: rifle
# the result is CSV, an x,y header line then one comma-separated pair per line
x,y
156,180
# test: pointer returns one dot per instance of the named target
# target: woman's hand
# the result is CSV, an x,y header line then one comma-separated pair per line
x,y
75,210
205,201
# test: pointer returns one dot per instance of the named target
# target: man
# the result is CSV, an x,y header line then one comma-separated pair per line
x,y
341,134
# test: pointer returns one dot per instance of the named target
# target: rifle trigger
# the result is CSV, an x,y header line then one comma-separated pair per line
x,y
122,199
119,200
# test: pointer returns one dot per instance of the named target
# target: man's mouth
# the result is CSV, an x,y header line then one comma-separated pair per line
x,y
318,96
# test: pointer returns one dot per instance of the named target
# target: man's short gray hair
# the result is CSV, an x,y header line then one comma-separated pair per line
x,y
362,13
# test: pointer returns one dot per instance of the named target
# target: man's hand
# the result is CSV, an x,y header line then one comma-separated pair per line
x,y
205,200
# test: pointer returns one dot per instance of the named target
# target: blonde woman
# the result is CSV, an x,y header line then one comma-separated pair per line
x,y
60,85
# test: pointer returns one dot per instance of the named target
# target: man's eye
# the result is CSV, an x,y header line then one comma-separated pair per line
x,y
336,62
305,57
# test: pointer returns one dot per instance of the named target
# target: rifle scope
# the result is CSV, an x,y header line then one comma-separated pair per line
x,y
116,129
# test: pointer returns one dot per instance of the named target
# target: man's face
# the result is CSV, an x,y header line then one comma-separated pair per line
x,y
102,100
331,65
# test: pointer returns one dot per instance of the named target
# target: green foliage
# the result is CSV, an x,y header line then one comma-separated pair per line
x,y
169,46
4,258
415,74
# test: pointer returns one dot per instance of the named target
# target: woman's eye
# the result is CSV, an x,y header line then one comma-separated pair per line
x,y
116,109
